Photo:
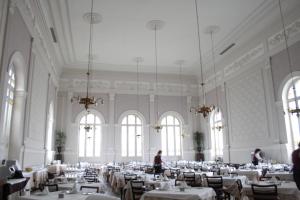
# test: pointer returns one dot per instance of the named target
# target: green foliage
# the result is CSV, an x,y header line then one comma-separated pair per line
x,y
198,141
60,139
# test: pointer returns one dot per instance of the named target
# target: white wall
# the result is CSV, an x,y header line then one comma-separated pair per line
x,y
119,93
254,117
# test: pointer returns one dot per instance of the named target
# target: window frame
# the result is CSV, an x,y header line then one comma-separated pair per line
x,y
82,115
214,133
176,116
136,126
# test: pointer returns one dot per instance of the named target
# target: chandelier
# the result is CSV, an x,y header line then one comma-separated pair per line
x,y
297,109
201,109
156,25
87,100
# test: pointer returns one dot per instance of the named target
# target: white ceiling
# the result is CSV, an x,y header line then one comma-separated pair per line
x,y
122,34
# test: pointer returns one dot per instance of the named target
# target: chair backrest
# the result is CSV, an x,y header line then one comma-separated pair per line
x,y
137,189
264,192
239,184
189,178
86,187
52,187
91,178
215,182
129,177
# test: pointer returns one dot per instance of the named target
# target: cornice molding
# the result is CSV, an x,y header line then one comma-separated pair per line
x,y
292,30
128,87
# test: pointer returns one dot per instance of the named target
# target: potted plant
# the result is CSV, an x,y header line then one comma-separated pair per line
x,y
198,145
60,140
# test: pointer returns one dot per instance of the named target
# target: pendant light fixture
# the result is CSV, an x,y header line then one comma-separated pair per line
x,y
138,60
201,109
156,25
296,110
87,100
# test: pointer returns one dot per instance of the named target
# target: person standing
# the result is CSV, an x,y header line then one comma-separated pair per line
x,y
296,166
157,163
257,157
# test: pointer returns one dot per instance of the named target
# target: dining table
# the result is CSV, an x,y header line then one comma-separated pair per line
x,y
287,190
192,193
54,195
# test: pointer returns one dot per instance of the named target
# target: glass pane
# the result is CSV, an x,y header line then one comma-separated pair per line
x,y
163,140
170,120
131,140
138,120
297,86
295,128
89,143
97,140
124,121
177,141
139,141
82,121
291,93
90,119
171,141
131,119
292,105
164,121
81,141
97,120
124,141
176,121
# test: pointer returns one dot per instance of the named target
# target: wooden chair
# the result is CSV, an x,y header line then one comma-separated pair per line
x,y
91,178
190,178
137,189
216,182
90,188
52,187
264,192
129,177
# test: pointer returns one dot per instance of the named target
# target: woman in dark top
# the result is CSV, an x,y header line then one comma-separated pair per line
x,y
157,162
256,157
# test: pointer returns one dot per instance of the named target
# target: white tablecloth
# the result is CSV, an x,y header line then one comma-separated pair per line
x,y
53,196
188,194
286,191
284,176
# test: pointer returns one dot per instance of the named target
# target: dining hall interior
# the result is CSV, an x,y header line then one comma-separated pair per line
x,y
149,99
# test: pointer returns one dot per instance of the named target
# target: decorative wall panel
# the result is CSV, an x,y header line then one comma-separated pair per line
x,y
247,109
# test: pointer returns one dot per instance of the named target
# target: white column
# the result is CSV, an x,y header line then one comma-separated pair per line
x,y
70,147
17,128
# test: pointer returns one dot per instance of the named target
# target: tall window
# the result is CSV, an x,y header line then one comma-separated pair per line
x,y
171,136
89,136
9,101
131,136
216,125
292,100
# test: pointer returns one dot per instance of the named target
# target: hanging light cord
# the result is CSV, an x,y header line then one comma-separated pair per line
x,y
214,65
200,54
137,84
90,50
287,50
156,69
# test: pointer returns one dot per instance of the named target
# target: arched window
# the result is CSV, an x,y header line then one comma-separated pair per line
x,y
216,126
171,135
9,100
90,136
291,100
131,136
